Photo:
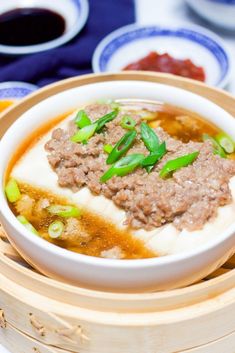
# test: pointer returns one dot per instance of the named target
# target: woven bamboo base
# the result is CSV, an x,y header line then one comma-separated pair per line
x,y
41,315
31,319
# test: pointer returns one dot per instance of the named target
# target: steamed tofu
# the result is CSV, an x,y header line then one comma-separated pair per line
x,y
33,168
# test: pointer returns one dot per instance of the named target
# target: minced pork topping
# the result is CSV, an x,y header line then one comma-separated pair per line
x,y
189,198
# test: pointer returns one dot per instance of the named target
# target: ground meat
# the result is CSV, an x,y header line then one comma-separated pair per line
x,y
188,199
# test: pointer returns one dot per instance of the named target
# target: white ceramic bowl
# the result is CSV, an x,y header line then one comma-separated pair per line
x,y
218,12
133,42
74,12
120,275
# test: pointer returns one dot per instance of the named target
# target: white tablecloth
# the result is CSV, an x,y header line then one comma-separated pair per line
x,y
173,11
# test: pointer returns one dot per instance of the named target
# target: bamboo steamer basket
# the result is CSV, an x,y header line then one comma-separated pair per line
x,y
42,315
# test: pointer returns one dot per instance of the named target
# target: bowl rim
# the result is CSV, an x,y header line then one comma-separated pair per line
x,y
64,38
180,26
95,261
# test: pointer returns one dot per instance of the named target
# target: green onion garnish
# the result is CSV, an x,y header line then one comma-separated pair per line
x,y
55,229
105,119
121,147
148,168
226,142
108,148
27,225
82,119
154,157
128,123
110,102
114,105
88,131
123,167
84,134
175,164
149,137
12,191
217,148
64,211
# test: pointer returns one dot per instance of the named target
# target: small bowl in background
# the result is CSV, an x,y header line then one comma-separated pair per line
x,y
12,91
218,12
131,43
74,13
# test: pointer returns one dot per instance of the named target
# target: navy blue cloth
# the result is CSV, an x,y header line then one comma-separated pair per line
x,y
74,58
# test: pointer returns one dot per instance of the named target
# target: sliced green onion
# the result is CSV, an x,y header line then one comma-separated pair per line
x,y
84,134
108,174
108,148
148,168
123,167
12,191
175,164
55,229
128,123
27,224
114,105
105,119
110,102
82,119
226,142
88,131
121,147
64,211
149,137
217,148
154,157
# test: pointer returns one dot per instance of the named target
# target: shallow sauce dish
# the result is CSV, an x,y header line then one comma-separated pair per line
x,y
73,13
132,43
158,273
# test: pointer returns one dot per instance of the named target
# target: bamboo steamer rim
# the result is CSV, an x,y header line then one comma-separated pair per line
x,y
194,293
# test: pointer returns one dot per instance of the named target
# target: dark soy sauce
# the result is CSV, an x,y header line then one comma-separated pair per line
x,y
30,26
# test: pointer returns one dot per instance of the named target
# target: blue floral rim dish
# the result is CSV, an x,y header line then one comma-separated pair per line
x,y
125,36
15,90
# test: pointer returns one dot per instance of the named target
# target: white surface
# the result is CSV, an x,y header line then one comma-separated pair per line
x,y
174,10
164,272
3,350
136,47
217,13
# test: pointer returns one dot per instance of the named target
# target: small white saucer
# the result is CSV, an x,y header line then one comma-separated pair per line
x,y
133,42
75,13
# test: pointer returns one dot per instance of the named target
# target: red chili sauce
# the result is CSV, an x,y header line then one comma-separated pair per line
x,y
166,63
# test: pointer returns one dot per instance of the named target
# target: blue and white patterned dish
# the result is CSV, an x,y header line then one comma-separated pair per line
x,y
75,13
13,90
228,2
218,12
133,42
